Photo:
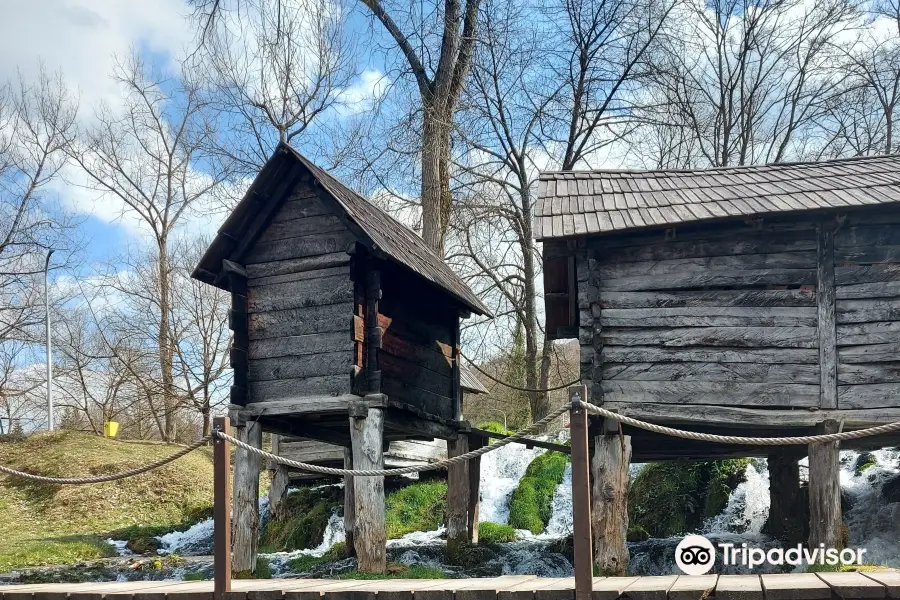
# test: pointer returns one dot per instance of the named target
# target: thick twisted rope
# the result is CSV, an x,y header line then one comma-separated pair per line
x,y
736,439
300,466
110,477
515,387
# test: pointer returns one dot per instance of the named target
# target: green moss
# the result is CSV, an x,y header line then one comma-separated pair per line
x,y
495,533
397,572
637,534
417,507
197,576
531,503
262,571
674,498
304,520
304,564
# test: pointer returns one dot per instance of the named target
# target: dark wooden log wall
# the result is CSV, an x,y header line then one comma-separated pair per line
x,y
867,310
419,334
300,303
705,315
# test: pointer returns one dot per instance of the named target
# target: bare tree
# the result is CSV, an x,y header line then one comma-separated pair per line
x,y
150,158
277,69
744,79
36,120
436,42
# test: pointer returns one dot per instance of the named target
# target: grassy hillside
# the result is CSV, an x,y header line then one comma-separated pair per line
x,y
47,524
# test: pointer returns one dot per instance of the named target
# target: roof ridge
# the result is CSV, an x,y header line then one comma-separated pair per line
x,y
740,168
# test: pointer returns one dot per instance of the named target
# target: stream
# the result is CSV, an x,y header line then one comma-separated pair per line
x,y
873,523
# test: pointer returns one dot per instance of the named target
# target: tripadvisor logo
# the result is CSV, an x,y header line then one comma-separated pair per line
x,y
695,555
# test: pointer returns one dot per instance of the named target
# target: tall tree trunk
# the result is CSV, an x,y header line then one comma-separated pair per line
x,y
166,354
436,199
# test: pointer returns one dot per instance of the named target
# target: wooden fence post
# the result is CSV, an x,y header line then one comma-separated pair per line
x,y
221,509
581,495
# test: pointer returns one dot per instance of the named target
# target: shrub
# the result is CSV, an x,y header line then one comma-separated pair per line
x,y
495,533
674,498
417,507
531,503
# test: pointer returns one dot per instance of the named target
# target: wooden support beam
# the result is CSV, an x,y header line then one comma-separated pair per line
x,y
366,435
475,442
279,482
349,505
825,301
373,332
484,434
239,325
457,497
221,509
825,490
245,507
787,517
581,496
612,455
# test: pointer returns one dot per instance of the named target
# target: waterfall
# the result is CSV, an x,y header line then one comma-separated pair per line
x,y
748,504
560,524
874,523
501,471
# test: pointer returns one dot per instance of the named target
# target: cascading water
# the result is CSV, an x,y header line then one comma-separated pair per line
x,y
873,519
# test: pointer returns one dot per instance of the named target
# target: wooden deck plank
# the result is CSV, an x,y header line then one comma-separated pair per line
x,y
889,579
739,587
610,588
795,586
853,585
655,587
693,587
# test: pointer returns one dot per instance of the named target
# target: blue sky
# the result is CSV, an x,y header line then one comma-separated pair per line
x,y
80,39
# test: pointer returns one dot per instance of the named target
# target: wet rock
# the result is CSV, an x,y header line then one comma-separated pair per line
x,y
890,491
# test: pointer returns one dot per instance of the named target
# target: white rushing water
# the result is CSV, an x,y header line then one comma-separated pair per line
x,y
873,522
501,471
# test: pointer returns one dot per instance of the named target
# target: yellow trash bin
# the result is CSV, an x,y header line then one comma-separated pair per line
x,y
110,429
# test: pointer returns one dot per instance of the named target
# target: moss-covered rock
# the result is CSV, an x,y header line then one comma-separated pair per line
x,y
532,502
420,506
674,498
495,533
305,517
494,427
636,533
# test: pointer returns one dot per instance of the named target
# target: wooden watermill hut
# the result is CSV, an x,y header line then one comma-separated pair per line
x,y
346,330
759,300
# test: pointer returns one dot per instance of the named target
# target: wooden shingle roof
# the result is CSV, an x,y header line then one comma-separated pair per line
x,y
372,226
574,203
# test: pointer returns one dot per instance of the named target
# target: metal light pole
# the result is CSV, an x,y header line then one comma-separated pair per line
x,y
49,351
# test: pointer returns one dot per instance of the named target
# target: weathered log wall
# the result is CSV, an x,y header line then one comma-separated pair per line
x,y
795,312
723,315
867,310
300,303
416,358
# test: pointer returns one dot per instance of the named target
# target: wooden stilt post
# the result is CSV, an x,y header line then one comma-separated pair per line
x,y
349,505
457,497
825,491
279,482
245,533
369,535
475,442
609,506
581,495
787,517
221,509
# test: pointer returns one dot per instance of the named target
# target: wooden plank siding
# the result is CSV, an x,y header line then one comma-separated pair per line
x,y
300,304
710,318
867,312
416,356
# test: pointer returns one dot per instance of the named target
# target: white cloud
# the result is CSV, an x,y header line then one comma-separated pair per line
x,y
80,38
362,95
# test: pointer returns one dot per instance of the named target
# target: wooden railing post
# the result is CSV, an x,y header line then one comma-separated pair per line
x,y
581,495
221,509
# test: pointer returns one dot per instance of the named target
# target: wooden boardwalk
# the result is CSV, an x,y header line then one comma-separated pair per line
x,y
806,586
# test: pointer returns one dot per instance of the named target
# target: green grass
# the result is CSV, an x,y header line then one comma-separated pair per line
x,y
417,572
531,503
417,507
495,427
304,564
60,525
495,533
